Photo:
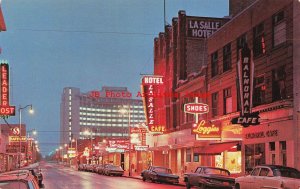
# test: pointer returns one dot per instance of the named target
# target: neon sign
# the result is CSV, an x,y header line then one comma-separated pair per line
x,y
207,131
5,108
150,86
196,108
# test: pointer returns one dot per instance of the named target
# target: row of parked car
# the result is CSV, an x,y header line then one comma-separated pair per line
x,y
262,176
106,169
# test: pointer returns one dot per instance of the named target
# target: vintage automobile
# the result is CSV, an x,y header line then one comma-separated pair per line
x,y
37,173
159,174
21,179
209,177
270,176
113,170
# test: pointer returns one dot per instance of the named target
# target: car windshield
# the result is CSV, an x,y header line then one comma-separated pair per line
x,y
216,171
13,184
284,172
162,170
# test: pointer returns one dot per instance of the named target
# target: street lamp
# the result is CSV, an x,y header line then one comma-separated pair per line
x,y
88,132
20,128
124,111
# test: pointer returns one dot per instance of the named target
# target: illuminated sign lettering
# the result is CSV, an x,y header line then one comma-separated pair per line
x,y
17,139
150,86
141,148
196,108
245,73
5,108
207,131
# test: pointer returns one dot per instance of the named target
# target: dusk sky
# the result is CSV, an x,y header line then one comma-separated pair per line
x,y
52,44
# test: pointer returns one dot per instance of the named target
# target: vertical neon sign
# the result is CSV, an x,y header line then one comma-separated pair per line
x,y
5,108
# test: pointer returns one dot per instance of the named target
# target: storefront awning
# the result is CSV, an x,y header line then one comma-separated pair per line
x,y
216,149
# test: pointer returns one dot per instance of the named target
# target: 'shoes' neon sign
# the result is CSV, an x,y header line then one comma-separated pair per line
x,y
5,108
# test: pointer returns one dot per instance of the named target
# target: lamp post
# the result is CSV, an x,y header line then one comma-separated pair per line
x,y
20,129
123,111
89,132
29,141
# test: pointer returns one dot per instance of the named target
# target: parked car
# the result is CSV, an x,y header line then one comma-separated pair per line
x,y
159,174
81,167
100,169
37,173
211,177
270,176
113,170
21,179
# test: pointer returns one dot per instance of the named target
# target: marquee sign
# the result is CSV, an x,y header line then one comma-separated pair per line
x,y
119,144
246,74
196,108
150,87
207,131
5,108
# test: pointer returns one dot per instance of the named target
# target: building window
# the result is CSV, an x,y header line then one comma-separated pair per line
x,y
227,57
278,83
283,158
214,99
279,29
196,157
227,101
240,43
254,155
214,64
259,40
259,90
188,155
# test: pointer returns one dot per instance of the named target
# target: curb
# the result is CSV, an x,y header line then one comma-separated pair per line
x,y
179,184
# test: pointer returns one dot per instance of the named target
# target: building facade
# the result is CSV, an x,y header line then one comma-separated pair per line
x,y
269,29
106,113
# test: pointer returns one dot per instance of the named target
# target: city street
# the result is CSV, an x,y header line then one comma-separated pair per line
x,y
60,177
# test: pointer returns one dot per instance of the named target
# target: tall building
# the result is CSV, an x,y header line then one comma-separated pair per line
x,y
106,113
263,32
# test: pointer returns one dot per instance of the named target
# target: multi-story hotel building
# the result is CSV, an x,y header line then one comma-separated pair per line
x,y
106,113
270,29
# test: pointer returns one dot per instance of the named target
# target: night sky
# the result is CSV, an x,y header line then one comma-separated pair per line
x,y
52,44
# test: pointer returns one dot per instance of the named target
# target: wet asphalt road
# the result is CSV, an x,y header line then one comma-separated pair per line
x,y
60,177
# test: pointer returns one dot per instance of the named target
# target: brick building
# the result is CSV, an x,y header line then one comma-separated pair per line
x,y
269,36
209,66
180,57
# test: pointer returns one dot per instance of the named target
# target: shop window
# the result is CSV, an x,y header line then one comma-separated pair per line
x,y
240,43
196,158
272,152
278,84
279,29
254,155
227,57
215,104
227,101
188,155
214,64
259,90
259,40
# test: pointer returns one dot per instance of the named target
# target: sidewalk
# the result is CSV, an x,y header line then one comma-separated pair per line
x,y
138,176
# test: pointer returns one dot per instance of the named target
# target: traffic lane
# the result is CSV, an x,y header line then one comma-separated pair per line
x,y
59,177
